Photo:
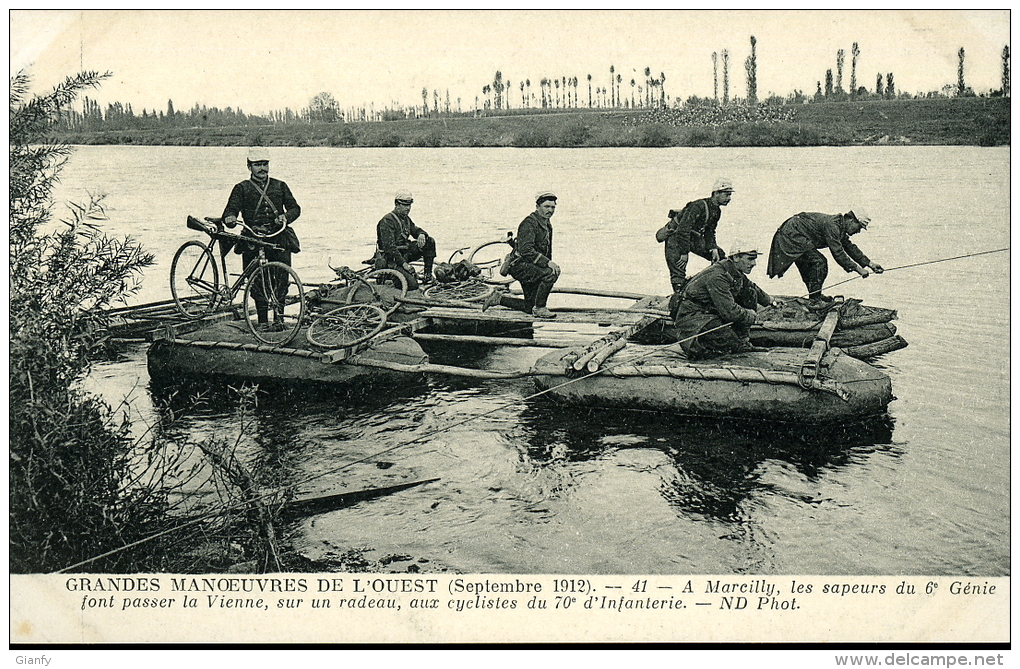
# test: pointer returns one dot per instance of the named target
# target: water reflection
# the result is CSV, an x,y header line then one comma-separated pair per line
x,y
716,464
287,400
279,431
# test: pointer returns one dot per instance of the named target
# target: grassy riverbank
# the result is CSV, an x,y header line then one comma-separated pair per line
x,y
939,121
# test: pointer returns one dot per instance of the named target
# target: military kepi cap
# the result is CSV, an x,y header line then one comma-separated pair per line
x,y
743,248
544,196
861,216
258,154
403,197
722,185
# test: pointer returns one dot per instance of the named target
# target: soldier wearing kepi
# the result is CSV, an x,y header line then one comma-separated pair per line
x,y
531,262
400,242
265,205
798,239
721,302
692,230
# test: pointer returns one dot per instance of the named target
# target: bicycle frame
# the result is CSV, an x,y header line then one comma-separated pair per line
x,y
230,291
198,280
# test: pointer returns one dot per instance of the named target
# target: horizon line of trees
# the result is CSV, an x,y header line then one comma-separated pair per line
x,y
501,95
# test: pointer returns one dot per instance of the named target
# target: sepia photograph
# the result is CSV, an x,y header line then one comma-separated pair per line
x,y
664,315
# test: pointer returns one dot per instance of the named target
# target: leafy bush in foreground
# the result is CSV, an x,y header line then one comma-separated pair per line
x,y
73,487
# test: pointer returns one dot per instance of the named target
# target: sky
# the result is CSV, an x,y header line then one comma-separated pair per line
x,y
263,60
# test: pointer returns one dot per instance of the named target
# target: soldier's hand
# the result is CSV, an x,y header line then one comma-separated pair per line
x,y
282,219
554,267
864,272
878,268
230,221
421,240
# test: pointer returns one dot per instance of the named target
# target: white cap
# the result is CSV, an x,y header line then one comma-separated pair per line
x,y
545,195
743,247
258,154
403,197
861,215
722,184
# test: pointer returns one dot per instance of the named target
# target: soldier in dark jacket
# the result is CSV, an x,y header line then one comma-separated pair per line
x,y
692,230
720,295
531,262
266,205
798,239
400,242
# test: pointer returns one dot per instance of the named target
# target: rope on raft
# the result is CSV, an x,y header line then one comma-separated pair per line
x,y
239,346
737,374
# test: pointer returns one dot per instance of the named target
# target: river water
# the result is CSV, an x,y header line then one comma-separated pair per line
x,y
532,488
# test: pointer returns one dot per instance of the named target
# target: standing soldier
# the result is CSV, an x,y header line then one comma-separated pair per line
x,y
692,229
266,205
798,239
400,242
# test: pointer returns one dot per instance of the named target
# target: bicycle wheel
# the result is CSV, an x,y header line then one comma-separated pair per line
x,y
471,290
488,257
194,280
346,326
381,276
266,290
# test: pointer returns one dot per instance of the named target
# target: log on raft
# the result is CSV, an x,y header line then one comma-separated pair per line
x,y
844,338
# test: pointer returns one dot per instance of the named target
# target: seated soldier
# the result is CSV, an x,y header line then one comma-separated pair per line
x,y
400,242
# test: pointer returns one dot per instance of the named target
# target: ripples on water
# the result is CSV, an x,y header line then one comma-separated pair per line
x,y
530,487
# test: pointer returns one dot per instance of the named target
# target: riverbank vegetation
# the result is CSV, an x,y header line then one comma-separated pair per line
x,y
940,121
69,454
87,493
627,110
90,491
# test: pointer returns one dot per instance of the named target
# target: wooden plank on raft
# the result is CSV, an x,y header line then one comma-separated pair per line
x,y
599,292
495,341
809,368
429,368
502,315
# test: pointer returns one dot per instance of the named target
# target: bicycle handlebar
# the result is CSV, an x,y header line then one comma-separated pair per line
x,y
214,228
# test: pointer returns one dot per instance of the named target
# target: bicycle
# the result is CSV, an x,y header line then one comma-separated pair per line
x,y
197,290
478,288
357,322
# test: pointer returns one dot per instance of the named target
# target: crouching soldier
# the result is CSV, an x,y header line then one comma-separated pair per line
x,y
719,305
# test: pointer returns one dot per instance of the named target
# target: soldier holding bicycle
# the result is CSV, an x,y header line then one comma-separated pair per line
x,y
267,206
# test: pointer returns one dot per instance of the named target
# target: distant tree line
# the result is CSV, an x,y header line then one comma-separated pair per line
x,y
502,95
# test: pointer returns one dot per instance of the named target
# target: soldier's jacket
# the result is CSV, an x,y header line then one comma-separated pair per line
x,y
810,230
720,291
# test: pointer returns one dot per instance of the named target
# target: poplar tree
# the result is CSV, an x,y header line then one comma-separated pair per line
x,y
1005,71
855,53
839,70
751,65
725,76
715,76
960,85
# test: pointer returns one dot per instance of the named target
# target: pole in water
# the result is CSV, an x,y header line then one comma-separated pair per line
x,y
916,264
